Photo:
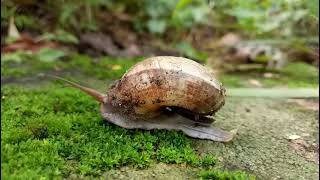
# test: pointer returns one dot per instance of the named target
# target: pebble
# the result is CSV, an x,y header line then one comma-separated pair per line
x,y
255,82
268,75
305,134
294,137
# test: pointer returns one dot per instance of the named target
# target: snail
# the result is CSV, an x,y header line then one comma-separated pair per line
x,y
164,92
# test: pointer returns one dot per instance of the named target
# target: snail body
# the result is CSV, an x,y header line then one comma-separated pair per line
x,y
165,92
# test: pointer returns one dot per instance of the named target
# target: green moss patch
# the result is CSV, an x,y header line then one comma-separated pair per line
x,y
55,132
294,75
21,64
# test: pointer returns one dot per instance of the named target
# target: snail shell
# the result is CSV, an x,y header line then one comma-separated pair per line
x,y
166,81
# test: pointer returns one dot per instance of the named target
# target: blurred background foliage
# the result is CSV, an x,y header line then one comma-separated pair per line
x,y
247,43
253,17
190,28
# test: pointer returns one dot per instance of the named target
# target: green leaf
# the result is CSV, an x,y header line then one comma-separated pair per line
x,y
186,49
181,4
61,36
23,21
157,26
68,9
17,56
49,55
313,6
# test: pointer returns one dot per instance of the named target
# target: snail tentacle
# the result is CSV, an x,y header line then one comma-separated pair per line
x,y
93,93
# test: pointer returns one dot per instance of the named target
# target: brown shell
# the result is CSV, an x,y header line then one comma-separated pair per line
x,y
166,81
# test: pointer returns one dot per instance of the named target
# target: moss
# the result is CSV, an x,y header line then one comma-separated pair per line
x,y
106,67
231,80
301,74
293,75
26,64
54,132
23,64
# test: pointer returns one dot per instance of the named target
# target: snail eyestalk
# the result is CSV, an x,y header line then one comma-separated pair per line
x,y
94,93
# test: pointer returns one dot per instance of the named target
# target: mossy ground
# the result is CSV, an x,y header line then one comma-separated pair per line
x,y
102,68
53,131
50,131
292,76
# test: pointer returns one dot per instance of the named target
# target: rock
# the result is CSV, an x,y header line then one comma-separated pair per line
x,y
293,137
255,83
268,75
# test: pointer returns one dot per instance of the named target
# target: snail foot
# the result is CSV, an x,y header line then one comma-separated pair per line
x,y
171,121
